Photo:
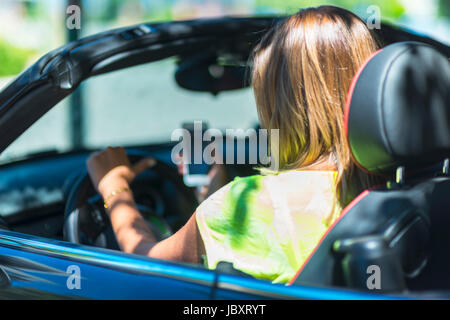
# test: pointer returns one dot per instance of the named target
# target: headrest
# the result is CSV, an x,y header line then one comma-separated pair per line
x,y
398,109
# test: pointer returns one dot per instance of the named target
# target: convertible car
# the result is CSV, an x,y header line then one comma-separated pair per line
x,y
390,242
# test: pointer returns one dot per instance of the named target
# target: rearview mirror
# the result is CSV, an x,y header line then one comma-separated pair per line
x,y
206,75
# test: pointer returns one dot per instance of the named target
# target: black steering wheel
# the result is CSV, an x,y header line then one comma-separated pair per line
x,y
86,221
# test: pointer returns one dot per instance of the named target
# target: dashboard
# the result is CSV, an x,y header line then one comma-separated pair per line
x,y
33,191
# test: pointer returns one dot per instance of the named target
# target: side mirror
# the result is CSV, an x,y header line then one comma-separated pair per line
x,y
205,74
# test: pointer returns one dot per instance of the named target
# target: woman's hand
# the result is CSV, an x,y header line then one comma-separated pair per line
x,y
110,169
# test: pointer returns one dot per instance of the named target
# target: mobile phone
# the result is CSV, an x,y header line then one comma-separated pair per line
x,y
195,170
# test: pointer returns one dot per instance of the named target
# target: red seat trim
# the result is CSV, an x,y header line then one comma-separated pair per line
x,y
364,193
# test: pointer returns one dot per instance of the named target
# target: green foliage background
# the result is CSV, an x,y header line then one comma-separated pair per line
x,y
390,9
444,8
12,59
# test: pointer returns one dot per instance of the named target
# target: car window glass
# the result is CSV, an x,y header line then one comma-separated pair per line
x,y
139,105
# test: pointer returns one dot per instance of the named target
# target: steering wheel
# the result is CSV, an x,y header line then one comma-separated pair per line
x,y
86,221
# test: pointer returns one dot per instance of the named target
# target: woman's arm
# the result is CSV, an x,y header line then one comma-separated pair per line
x,y
111,173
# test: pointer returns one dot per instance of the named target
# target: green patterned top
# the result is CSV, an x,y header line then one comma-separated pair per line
x,y
267,226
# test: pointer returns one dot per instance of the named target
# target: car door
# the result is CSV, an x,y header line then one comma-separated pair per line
x,y
38,268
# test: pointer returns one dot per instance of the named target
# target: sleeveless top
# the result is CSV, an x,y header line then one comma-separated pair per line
x,y
267,226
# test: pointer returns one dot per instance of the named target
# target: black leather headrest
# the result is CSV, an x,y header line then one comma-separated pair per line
x,y
398,109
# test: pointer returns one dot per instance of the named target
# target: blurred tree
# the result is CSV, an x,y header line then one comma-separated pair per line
x,y
158,10
444,8
31,9
102,10
390,9
112,10
12,59
161,14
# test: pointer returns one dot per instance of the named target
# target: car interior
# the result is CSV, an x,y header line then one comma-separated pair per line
x,y
398,124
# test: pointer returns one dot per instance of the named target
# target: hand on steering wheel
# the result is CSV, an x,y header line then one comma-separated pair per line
x,y
86,221
110,170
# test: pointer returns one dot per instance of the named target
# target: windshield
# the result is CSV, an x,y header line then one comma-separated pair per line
x,y
135,106
143,105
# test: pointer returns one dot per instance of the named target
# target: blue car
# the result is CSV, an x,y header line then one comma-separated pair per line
x,y
56,241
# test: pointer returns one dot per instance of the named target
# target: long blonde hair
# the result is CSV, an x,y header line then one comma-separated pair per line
x,y
302,70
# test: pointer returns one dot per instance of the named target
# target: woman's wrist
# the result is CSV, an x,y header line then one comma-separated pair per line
x,y
110,198
111,186
120,199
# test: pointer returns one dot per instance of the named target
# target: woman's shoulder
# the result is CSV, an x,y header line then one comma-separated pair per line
x,y
250,189
285,180
261,190
242,186
261,186
248,183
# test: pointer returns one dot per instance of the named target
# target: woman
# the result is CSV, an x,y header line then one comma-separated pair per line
x,y
268,225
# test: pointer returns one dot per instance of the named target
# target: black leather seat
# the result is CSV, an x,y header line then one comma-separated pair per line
x,y
398,125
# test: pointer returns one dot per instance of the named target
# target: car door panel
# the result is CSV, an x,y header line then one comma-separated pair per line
x,y
34,267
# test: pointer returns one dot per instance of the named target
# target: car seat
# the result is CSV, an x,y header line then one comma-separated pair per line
x,y
398,125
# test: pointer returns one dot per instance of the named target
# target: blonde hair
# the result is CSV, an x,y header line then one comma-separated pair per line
x,y
302,70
